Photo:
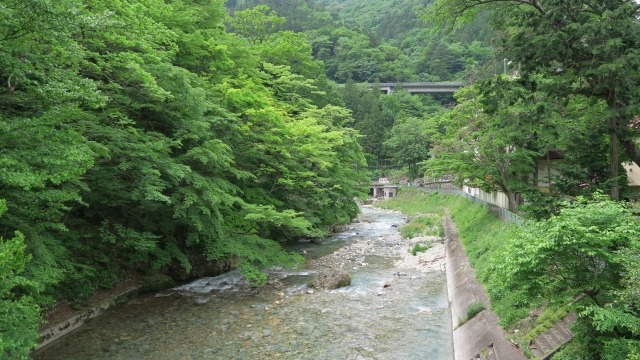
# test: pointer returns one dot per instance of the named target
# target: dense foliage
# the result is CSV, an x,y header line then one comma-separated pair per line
x,y
364,41
384,41
144,137
574,77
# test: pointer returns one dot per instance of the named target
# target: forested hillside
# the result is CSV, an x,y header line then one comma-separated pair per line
x,y
388,20
384,41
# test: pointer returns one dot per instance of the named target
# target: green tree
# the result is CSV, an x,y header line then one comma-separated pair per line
x,y
489,139
587,252
576,251
368,119
19,311
256,24
587,47
409,143
293,50
582,140
43,152
348,53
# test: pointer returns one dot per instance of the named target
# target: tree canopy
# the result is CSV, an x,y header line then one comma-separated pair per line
x,y
144,137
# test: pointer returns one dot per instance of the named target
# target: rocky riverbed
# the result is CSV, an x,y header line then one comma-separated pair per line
x,y
353,257
395,308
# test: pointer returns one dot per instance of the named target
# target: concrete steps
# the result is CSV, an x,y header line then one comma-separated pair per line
x,y
548,342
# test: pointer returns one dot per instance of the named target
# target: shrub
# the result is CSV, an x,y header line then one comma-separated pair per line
x,y
19,312
472,310
411,230
420,248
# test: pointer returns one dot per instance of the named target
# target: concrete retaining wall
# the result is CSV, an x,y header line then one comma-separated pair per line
x,y
480,337
53,332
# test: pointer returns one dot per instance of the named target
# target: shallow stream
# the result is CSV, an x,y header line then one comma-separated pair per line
x,y
384,314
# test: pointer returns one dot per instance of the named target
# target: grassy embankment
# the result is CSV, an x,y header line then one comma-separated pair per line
x,y
484,238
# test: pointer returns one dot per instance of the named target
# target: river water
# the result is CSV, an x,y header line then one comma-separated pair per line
x,y
386,313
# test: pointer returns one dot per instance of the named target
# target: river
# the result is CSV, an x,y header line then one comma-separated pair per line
x,y
390,311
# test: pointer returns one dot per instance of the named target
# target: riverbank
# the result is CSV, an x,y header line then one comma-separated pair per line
x,y
352,257
476,333
64,318
480,337
395,308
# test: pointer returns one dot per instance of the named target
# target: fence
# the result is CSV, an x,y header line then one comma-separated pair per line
x,y
496,210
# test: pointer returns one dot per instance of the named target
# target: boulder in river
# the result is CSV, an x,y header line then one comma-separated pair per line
x,y
331,279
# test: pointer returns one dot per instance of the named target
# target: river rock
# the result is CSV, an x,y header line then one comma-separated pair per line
x,y
200,301
331,279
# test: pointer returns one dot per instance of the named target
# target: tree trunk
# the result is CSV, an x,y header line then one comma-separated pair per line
x,y
511,197
512,201
536,175
614,159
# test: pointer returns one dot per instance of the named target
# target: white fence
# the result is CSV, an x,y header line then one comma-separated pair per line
x,y
496,198
497,203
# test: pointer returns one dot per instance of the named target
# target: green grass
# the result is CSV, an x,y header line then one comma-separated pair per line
x,y
420,224
412,202
411,230
420,248
549,317
472,310
423,225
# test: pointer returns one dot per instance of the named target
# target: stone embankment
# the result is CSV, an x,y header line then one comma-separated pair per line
x,y
480,337
69,320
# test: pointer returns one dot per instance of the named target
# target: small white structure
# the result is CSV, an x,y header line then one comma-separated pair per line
x,y
390,191
633,174
382,189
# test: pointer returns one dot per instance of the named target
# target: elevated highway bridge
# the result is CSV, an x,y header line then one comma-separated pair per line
x,y
421,87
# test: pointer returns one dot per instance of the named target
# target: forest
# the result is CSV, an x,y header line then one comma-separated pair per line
x,y
173,139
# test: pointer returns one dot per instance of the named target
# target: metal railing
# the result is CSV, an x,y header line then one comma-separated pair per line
x,y
496,210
